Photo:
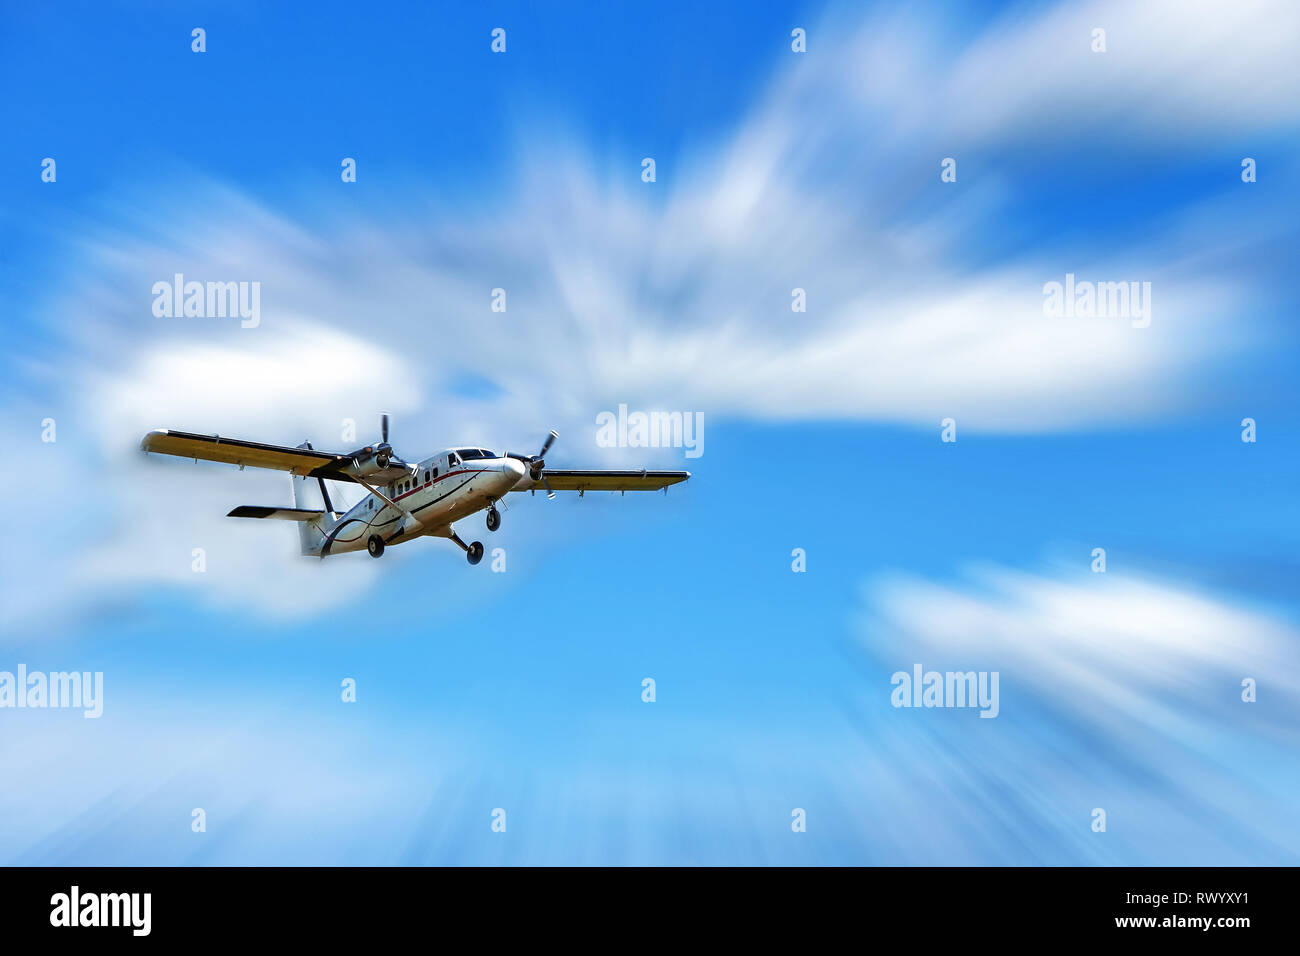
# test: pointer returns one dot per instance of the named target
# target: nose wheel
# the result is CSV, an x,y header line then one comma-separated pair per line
x,y
493,519
375,546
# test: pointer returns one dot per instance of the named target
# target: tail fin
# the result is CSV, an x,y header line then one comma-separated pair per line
x,y
306,496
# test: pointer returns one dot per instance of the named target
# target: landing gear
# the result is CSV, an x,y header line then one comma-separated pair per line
x,y
493,519
375,546
473,552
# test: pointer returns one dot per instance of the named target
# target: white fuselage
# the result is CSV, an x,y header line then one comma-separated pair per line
x,y
438,491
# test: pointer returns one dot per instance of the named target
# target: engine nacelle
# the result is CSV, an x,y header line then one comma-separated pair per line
x,y
371,461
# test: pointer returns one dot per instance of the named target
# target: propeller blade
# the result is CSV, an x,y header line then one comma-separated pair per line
x,y
547,444
550,495
383,427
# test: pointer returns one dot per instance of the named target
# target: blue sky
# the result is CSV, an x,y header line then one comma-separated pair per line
x,y
775,170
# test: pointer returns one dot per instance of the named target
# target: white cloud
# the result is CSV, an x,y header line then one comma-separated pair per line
x,y
1172,69
1116,692
115,518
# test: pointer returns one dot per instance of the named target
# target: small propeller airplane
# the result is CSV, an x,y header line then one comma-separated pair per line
x,y
405,501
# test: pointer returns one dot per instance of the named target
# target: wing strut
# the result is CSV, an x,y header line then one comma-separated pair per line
x,y
324,493
408,519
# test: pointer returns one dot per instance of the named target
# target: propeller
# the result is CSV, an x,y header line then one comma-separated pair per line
x,y
537,463
383,452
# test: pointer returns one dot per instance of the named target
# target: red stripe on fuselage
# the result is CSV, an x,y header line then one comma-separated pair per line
x,y
463,471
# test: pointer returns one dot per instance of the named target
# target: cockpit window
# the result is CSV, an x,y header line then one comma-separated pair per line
x,y
468,453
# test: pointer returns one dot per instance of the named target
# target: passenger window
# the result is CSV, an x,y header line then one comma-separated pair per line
x,y
426,476
435,472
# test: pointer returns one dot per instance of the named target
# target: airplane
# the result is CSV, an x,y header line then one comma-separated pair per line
x,y
405,501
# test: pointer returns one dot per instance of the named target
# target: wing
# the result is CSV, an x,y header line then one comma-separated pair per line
x,y
570,480
235,451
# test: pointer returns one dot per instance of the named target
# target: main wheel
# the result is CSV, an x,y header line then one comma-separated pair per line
x,y
493,519
375,546
475,553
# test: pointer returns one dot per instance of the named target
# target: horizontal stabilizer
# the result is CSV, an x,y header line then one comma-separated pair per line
x,y
284,514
